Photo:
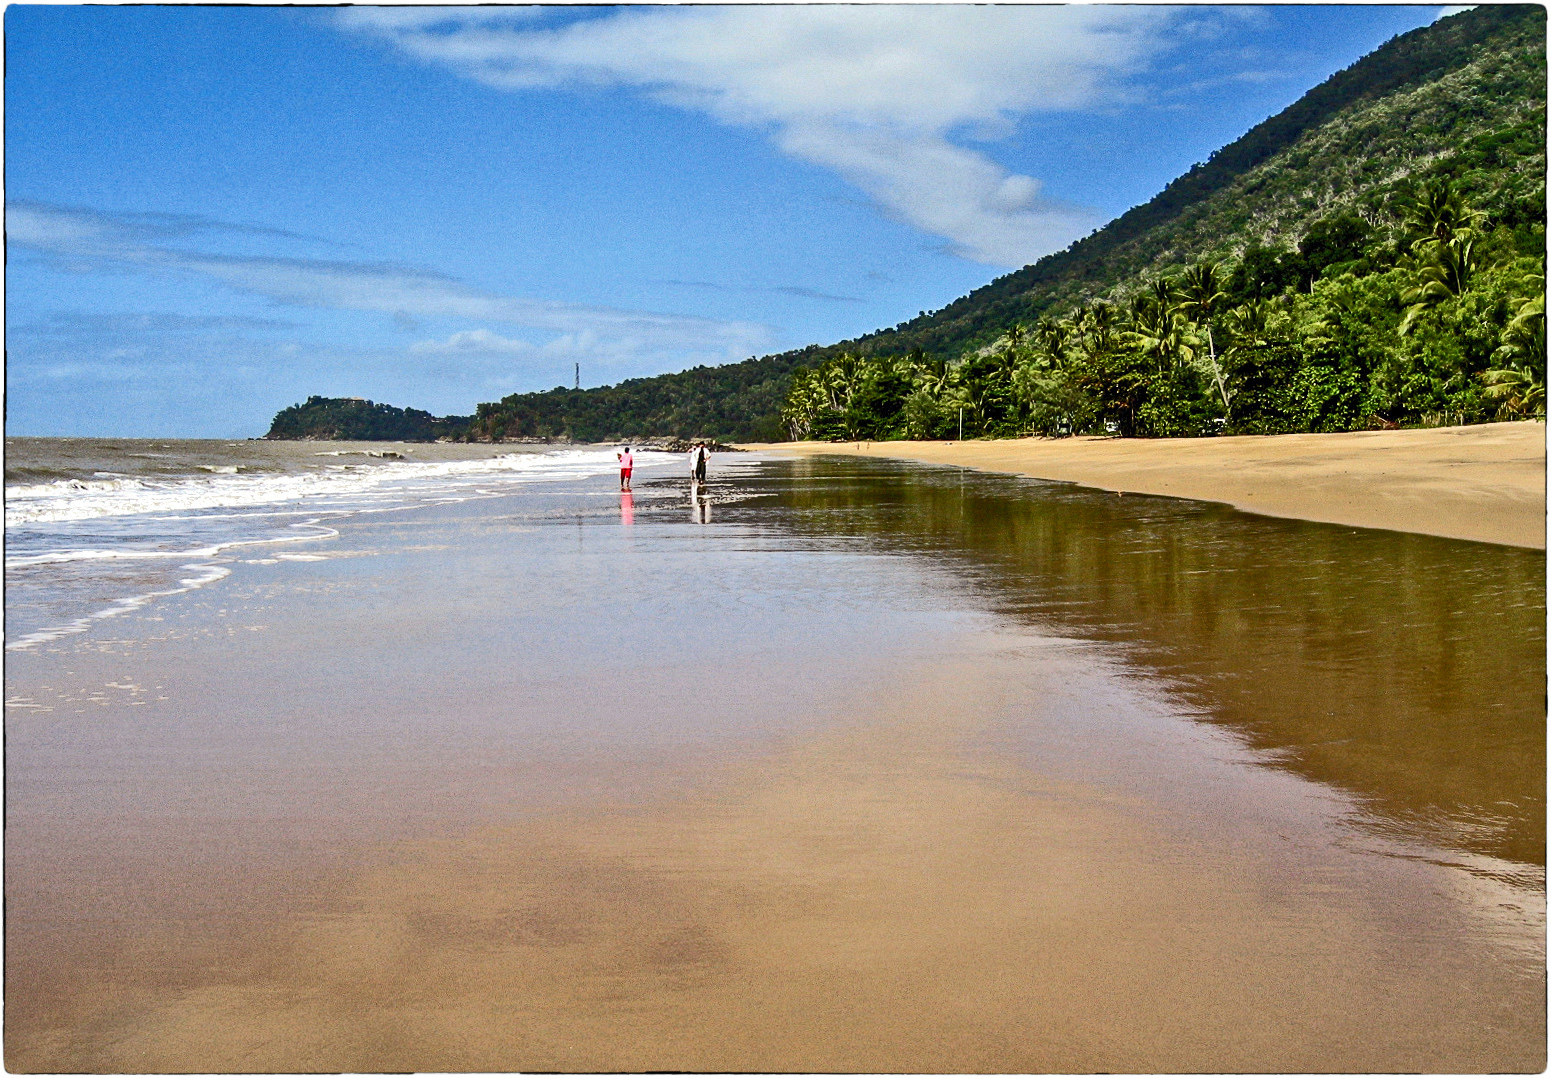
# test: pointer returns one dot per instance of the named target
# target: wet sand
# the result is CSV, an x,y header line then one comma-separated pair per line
x,y
880,898
1486,483
413,807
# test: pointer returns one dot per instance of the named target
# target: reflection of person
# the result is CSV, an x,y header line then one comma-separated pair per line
x,y
626,507
700,507
626,465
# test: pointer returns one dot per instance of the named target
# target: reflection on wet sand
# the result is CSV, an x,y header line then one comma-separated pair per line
x,y
881,898
1407,670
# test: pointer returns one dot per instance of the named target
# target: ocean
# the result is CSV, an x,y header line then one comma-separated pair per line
x,y
96,527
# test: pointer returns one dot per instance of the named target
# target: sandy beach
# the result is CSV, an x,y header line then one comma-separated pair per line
x,y
1485,483
858,766
880,898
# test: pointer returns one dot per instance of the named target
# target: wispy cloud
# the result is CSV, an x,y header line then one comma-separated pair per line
x,y
780,290
473,342
885,95
810,293
405,293
71,325
25,217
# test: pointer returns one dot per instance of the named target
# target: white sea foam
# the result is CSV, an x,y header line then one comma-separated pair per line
x,y
77,541
62,557
202,575
307,531
226,487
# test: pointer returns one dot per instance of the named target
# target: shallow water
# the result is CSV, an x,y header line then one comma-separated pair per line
x,y
1404,669
843,765
96,527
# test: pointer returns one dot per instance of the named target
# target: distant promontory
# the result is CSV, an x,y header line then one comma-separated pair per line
x,y
356,419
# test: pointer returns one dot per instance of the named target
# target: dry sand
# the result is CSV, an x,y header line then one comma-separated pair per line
x,y
1486,483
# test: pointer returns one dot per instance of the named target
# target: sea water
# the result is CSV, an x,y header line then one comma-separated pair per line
x,y
98,527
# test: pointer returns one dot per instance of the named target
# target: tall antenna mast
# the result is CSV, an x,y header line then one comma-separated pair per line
x,y
578,376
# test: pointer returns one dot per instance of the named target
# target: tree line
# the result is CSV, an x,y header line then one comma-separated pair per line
x,y
1423,312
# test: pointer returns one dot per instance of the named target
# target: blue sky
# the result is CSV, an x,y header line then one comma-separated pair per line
x,y
214,212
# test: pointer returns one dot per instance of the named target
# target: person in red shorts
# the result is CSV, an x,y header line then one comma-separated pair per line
x,y
626,465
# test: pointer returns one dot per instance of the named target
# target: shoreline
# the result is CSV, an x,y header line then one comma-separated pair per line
x,y
1484,483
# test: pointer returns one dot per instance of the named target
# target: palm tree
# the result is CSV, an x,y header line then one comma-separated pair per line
x,y
1247,322
1519,382
1158,332
1140,310
1518,390
1445,275
930,373
1436,213
804,401
1524,338
843,377
1052,337
1200,297
1099,323
976,396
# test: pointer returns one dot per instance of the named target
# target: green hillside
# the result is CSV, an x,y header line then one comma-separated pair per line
x,y
357,420
1325,192
736,402
1463,97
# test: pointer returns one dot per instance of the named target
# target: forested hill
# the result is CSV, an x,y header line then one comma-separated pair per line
x,y
355,419
1462,99
738,402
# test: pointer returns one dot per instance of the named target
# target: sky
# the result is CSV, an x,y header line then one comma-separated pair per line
x,y
215,212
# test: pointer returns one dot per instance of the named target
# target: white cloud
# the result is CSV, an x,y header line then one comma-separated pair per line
x,y
878,93
613,334
986,213
476,341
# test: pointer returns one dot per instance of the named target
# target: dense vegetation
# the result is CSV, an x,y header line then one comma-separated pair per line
x,y
1295,281
357,420
739,402
1384,267
1430,313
